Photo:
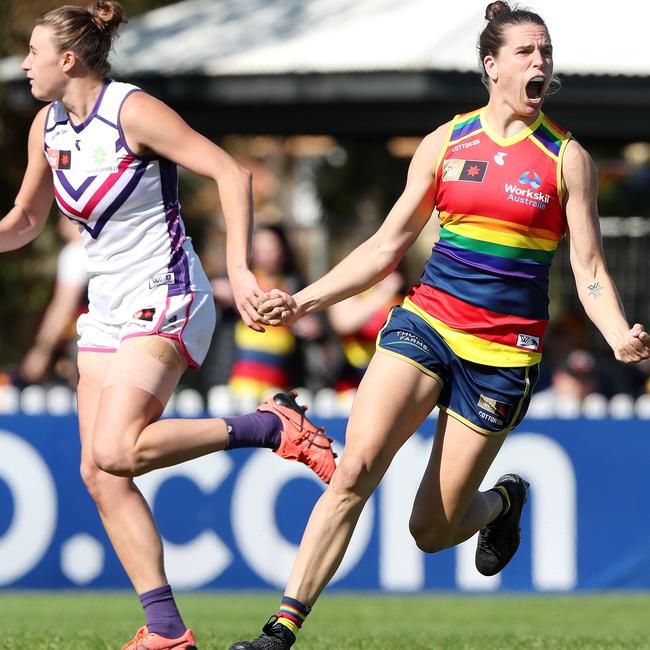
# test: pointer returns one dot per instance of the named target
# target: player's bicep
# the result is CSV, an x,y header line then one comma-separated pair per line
x,y
581,209
36,192
404,221
152,127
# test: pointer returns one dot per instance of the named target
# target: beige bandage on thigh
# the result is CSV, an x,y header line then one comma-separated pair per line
x,y
152,363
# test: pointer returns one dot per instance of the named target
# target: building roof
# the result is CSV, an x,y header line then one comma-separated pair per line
x,y
262,37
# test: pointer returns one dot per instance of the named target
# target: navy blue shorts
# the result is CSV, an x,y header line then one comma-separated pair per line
x,y
488,399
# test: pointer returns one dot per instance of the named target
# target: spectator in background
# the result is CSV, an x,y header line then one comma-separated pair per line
x,y
55,343
571,382
274,358
358,320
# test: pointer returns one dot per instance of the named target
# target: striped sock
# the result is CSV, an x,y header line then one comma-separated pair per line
x,y
292,614
505,498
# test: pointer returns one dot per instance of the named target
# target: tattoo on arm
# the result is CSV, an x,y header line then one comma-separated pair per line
x,y
595,289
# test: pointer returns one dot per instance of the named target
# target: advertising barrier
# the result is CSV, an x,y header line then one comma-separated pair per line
x,y
233,520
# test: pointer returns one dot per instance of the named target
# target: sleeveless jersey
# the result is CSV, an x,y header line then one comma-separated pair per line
x,y
127,207
485,287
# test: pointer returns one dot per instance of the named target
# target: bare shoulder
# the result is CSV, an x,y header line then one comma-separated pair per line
x,y
576,158
429,149
40,117
434,140
37,129
578,169
140,107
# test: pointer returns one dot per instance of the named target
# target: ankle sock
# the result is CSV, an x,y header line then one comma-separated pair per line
x,y
291,615
163,617
259,429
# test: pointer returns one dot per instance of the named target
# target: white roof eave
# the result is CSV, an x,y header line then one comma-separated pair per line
x,y
271,37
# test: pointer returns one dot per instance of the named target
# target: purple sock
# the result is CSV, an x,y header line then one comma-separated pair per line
x,y
259,429
162,614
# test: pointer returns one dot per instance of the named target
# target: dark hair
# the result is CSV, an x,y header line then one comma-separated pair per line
x,y
88,32
499,15
289,264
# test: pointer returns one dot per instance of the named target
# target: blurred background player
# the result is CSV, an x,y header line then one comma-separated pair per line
x,y
273,359
572,380
55,345
357,321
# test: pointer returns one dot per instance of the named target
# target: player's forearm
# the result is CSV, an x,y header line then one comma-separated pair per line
x,y
365,266
602,305
236,199
18,228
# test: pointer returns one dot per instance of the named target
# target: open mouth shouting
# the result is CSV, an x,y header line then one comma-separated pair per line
x,y
535,89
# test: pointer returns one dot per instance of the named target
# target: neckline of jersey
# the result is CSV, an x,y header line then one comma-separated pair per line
x,y
504,142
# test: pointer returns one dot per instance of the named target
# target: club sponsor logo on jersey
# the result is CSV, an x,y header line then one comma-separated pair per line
x,y
465,145
499,158
144,314
59,159
531,181
98,162
528,341
493,410
162,279
454,169
530,178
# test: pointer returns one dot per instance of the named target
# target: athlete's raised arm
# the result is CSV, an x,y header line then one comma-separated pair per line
x,y
32,205
151,127
595,286
375,258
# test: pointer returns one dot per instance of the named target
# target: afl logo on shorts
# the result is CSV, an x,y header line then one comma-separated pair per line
x,y
498,411
528,341
161,280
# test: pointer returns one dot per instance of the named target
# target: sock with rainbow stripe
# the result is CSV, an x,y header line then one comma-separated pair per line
x,y
291,616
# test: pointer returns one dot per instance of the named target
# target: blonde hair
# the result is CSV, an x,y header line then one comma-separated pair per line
x,y
88,32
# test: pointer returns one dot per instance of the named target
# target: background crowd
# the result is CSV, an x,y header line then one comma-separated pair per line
x,y
315,198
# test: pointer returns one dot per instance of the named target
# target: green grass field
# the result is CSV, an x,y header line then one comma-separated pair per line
x,y
94,621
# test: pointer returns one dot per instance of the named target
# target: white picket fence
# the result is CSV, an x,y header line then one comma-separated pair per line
x,y
325,403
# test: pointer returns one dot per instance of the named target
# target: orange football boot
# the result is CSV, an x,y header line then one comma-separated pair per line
x,y
300,439
145,640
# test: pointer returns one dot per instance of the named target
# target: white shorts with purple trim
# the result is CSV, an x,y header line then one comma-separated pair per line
x,y
188,318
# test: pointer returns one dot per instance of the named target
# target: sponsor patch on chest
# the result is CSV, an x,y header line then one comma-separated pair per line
x,y
454,169
59,159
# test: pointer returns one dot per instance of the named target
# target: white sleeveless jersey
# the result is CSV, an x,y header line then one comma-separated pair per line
x,y
127,207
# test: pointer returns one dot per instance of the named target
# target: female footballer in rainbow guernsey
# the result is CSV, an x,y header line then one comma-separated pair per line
x,y
509,184
108,153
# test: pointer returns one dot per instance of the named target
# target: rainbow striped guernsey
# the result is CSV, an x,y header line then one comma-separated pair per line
x,y
485,286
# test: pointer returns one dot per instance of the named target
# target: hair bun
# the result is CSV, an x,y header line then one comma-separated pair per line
x,y
107,15
496,10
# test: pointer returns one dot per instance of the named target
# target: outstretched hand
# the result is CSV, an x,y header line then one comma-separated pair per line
x,y
634,346
246,292
276,307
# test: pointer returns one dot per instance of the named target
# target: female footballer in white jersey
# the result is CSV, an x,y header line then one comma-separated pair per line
x,y
107,152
